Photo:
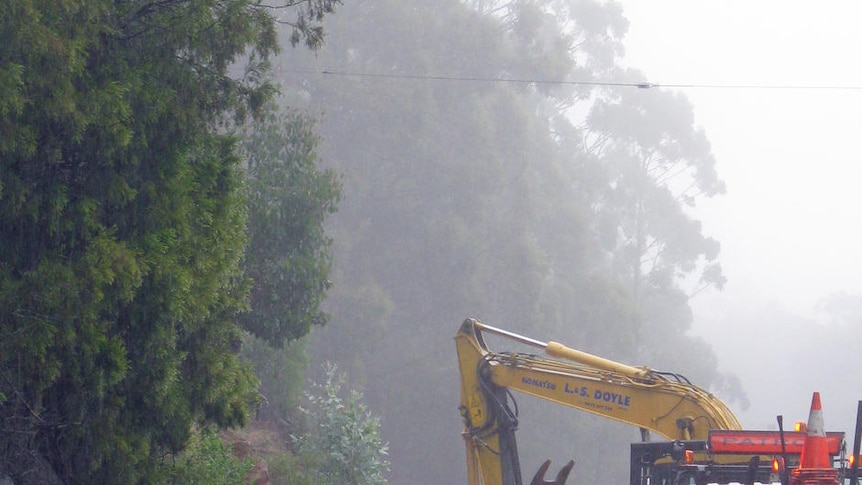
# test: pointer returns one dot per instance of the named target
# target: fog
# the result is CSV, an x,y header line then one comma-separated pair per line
x,y
491,170
785,141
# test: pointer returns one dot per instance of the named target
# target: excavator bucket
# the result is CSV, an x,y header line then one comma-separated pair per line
x,y
539,478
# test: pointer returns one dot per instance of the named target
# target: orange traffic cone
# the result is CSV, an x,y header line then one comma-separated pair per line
x,y
815,465
815,454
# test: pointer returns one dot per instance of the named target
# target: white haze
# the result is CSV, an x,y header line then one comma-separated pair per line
x,y
789,224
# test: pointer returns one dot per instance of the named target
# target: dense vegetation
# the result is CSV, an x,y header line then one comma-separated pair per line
x,y
162,243
125,224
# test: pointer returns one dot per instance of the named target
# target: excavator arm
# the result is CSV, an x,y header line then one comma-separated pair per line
x,y
664,403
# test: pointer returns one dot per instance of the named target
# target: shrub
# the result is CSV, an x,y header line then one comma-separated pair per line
x,y
208,461
343,444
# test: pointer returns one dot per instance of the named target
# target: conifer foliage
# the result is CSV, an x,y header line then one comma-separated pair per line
x,y
122,226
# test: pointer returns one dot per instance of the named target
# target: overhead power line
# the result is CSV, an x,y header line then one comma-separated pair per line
x,y
632,84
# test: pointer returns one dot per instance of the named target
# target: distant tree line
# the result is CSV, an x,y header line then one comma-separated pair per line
x,y
492,169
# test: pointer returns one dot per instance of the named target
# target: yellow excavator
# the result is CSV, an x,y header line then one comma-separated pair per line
x,y
703,441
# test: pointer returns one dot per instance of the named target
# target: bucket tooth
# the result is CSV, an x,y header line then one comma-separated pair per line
x,y
539,478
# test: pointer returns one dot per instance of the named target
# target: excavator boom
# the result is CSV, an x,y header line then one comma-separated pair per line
x,y
705,441
664,403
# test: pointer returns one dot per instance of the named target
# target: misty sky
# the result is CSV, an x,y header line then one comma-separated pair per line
x,y
788,224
